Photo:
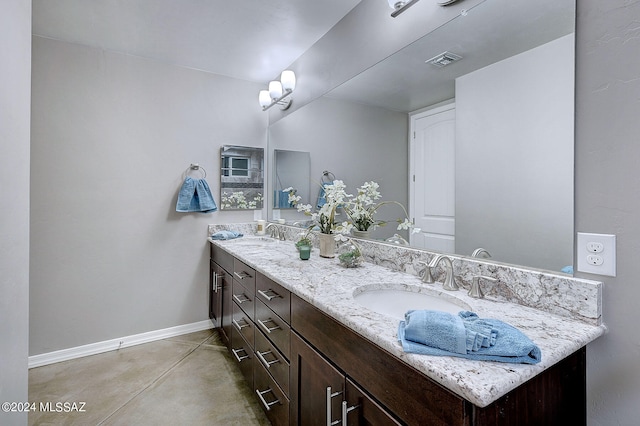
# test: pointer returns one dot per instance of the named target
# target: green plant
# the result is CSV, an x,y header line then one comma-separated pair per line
x,y
350,254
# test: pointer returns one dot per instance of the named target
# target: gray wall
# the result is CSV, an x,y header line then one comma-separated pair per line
x,y
607,185
357,143
608,194
15,70
112,136
514,148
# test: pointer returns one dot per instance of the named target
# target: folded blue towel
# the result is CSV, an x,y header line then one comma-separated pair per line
x,y
485,339
195,196
225,235
437,329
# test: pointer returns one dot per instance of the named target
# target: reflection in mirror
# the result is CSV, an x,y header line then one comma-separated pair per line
x,y
241,177
513,156
291,171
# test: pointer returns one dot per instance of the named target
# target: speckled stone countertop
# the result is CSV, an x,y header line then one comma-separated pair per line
x,y
331,288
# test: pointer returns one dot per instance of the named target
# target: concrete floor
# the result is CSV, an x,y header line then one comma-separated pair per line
x,y
184,380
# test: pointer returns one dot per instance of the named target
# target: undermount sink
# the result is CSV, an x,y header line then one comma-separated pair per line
x,y
258,240
395,301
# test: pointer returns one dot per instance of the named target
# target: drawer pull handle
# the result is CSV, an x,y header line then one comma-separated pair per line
x,y
240,326
269,294
266,328
266,404
242,275
241,298
346,410
266,363
216,286
330,395
238,357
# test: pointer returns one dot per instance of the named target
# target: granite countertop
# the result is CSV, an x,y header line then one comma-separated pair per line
x,y
331,288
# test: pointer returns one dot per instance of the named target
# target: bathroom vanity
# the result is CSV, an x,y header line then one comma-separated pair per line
x,y
313,355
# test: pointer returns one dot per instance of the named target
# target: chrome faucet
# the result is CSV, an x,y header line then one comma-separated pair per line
x,y
275,232
476,290
449,280
479,251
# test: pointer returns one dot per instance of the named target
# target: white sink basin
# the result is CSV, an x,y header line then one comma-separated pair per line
x,y
396,301
256,240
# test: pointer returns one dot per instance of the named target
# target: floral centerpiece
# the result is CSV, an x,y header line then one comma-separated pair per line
x,y
325,217
362,207
359,209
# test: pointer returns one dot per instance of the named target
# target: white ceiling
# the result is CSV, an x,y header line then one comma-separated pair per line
x,y
251,40
490,32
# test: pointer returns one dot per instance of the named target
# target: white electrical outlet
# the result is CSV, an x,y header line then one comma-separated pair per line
x,y
596,253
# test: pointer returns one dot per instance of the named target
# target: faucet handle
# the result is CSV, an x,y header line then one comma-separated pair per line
x,y
450,281
426,276
476,290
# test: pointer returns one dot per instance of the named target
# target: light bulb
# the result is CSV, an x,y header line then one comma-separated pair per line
x,y
288,79
275,89
396,4
264,98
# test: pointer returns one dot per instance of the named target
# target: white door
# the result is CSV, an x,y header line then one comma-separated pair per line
x,y
432,178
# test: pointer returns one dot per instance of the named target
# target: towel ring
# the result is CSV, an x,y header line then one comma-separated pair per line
x,y
327,175
196,166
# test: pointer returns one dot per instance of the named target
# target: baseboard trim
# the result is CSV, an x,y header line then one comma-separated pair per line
x,y
113,344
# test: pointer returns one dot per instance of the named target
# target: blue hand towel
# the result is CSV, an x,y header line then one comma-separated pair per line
x,y
195,196
485,339
321,196
437,329
226,235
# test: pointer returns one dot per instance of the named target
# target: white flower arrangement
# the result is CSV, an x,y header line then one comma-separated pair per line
x,y
360,209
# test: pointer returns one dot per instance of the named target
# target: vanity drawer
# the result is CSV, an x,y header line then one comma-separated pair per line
x,y
245,275
274,327
242,355
273,361
222,257
272,398
244,298
243,324
274,296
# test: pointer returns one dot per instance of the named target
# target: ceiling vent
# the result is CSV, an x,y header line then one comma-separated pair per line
x,y
444,59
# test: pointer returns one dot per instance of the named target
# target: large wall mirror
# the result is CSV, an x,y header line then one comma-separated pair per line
x,y
241,178
513,179
291,173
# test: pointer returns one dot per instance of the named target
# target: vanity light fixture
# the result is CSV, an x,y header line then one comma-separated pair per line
x,y
279,91
400,6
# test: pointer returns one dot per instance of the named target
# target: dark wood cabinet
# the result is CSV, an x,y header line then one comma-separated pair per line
x,y
271,396
220,282
215,295
321,394
556,396
309,369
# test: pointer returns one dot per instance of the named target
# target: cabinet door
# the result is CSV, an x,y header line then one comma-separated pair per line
x,y
215,295
225,284
316,387
361,410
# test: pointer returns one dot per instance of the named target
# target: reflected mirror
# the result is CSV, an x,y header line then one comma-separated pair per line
x,y
241,177
512,158
291,173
